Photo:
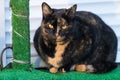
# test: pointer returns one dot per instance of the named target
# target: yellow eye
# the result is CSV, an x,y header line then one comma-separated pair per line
x,y
64,27
50,26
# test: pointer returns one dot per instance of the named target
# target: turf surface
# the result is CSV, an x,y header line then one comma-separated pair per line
x,y
45,75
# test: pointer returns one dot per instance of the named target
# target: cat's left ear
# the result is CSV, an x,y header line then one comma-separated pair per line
x,y
46,9
71,11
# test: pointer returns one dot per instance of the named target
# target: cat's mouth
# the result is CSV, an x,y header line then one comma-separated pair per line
x,y
60,39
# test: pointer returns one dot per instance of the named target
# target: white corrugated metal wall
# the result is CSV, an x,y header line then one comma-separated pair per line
x,y
8,30
2,28
108,10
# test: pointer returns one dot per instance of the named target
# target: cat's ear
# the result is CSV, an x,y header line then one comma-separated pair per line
x,y
71,11
46,9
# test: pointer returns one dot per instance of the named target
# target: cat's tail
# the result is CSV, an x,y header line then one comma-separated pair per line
x,y
104,67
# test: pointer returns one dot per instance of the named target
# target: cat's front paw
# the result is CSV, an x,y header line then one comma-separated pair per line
x,y
53,70
81,68
85,68
63,70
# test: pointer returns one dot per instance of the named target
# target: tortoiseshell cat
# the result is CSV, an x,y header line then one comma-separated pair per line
x,y
75,39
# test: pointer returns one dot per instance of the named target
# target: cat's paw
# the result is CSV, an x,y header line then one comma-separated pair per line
x,y
53,70
63,70
90,69
81,68
85,68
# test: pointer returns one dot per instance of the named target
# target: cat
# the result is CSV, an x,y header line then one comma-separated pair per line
x,y
75,40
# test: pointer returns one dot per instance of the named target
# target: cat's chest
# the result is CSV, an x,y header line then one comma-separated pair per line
x,y
59,50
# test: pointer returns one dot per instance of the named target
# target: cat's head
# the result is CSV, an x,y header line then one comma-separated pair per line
x,y
57,24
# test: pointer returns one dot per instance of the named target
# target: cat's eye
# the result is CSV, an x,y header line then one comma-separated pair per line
x,y
64,27
50,26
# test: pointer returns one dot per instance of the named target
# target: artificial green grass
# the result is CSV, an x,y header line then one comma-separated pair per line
x,y
46,75
20,32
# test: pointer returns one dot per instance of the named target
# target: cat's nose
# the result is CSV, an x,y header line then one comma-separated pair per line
x,y
56,34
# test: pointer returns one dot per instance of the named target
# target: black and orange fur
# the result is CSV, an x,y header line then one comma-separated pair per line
x,y
68,38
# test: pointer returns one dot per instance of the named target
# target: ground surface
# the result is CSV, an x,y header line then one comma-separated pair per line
x,y
46,75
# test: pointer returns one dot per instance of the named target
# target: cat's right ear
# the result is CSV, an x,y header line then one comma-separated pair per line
x,y
46,9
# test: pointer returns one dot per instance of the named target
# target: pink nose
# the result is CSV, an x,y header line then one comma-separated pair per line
x,y
56,34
